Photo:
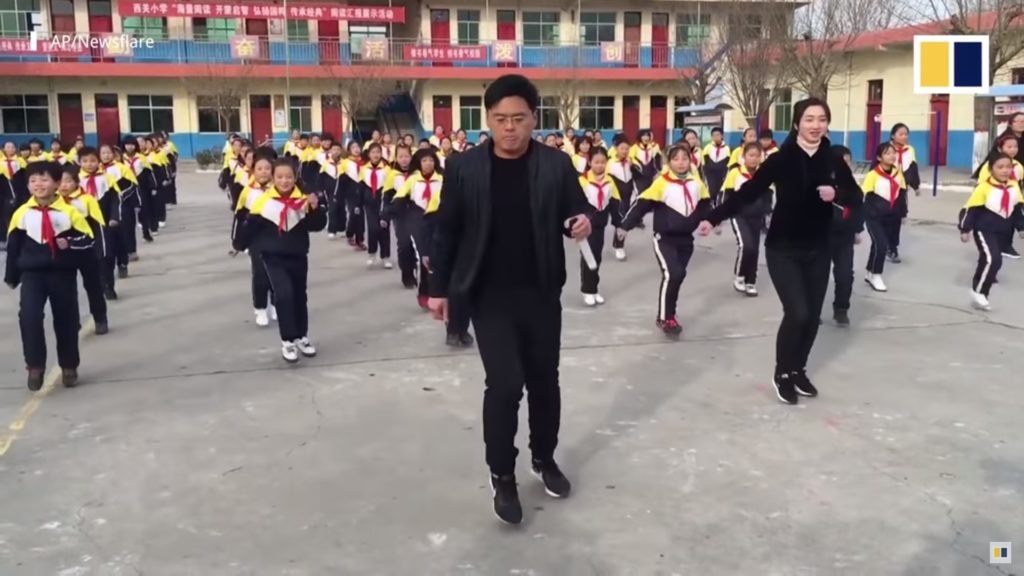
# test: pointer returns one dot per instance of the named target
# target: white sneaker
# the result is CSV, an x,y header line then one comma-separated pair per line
x,y
306,347
590,300
599,299
290,352
875,280
739,284
371,263
163,224
272,312
261,318
332,236
751,290
388,265
620,254
979,301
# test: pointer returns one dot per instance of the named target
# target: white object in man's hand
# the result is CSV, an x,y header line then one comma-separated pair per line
x,y
438,308
827,193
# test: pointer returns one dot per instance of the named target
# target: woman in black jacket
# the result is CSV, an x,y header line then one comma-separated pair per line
x,y
808,183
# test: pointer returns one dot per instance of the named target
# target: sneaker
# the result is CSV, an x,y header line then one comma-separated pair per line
x,y
110,294
102,328
290,352
154,233
332,236
894,257
35,379
122,272
751,290
306,347
371,263
739,284
876,283
69,377
506,499
803,384
620,254
360,247
670,327
1011,253
272,312
980,301
388,265
352,242
409,284
589,300
262,319
452,341
785,389
466,339
599,299
555,483
841,318
422,301
162,225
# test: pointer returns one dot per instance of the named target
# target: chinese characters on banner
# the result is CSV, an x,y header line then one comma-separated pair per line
x,y
43,46
612,52
506,51
296,11
245,47
446,53
375,49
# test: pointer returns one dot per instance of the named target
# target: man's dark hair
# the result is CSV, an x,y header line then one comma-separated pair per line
x,y
716,130
51,168
511,86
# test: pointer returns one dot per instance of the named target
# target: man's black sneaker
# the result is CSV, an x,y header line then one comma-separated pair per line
x,y
69,377
506,499
109,294
466,339
1011,252
452,341
841,318
555,483
35,379
102,328
785,389
894,257
803,384
122,272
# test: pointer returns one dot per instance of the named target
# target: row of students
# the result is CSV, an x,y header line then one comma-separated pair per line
x,y
1008,143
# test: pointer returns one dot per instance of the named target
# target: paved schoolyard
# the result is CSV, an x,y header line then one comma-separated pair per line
x,y
191,449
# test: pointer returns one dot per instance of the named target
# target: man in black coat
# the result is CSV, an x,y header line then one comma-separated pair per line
x,y
499,245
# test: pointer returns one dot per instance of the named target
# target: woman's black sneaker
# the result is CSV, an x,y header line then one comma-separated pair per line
x,y
506,499
555,483
803,384
466,339
452,341
785,389
841,318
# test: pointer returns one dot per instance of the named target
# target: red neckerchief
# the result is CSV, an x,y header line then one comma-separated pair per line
x,y
686,193
131,162
600,190
647,153
49,234
57,156
894,186
718,150
1004,201
373,179
289,204
10,166
90,186
899,156
427,192
770,147
695,158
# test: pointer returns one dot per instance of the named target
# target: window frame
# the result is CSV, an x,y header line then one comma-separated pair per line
x,y
206,105
222,32
475,108
470,26
22,107
143,27
537,21
600,26
293,30
166,111
783,110
697,21
26,17
599,106
873,84
549,105
304,111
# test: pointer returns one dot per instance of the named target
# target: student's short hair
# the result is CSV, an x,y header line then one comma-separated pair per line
x,y
619,138
716,130
896,128
676,149
997,157
405,147
511,86
36,141
766,133
315,135
87,151
752,146
418,157
130,140
335,143
24,146
596,151
278,163
838,151
304,137
51,169
427,140
56,140
881,148
70,170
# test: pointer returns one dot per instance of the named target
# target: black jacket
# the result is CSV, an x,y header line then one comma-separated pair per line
x,y
800,220
463,223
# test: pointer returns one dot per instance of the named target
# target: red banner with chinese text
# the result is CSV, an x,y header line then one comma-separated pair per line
x,y
296,11
446,53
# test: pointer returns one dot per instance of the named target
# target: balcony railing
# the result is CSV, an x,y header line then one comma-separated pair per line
x,y
385,52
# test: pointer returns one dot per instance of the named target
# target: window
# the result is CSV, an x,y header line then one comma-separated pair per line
x,y
874,90
548,113
693,29
24,114
680,117
62,8
1017,76
298,30
100,8
597,112
470,112
540,28
301,113
19,17
597,27
145,27
469,27
214,29
783,110
358,33
151,113
211,109
746,26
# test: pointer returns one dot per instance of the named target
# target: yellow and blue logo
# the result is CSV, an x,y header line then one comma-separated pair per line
x,y
951,64
1000,552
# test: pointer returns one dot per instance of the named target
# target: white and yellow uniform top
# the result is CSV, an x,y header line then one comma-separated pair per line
x,y
424,192
1015,175
600,191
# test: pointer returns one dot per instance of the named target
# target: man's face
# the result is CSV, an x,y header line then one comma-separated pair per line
x,y
510,123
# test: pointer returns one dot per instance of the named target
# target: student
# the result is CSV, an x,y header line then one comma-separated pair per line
x,y
884,188
767,140
569,142
1006,144
995,206
716,164
847,226
159,163
748,223
445,152
57,153
603,195
242,175
36,152
749,135
291,147
300,152
230,138
326,140
89,263
260,182
460,143
396,213
551,141
582,156
374,139
692,139
435,138
73,153
483,138
352,167
232,158
278,228
44,233
679,202
13,187
409,140
598,140
371,185
147,187
646,156
124,244
170,152
621,170
331,185
387,148
906,162
425,144
309,165
101,186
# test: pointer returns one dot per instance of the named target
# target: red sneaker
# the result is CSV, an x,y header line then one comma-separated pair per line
x,y
670,327
422,300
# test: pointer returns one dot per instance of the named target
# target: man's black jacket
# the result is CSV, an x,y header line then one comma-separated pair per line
x,y
463,224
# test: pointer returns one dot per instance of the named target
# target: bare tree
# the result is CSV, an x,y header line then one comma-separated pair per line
x,y
570,88
216,89
703,77
360,90
754,73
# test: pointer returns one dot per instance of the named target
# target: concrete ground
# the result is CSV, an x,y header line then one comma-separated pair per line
x,y
191,449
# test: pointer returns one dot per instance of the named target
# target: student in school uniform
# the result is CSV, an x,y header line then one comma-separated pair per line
x,y
89,263
291,146
137,163
278,228
326,140
995,206
767,141
13,188
748,223
130,202
1010,145
716,164
405,206
679,202
352,166
692,139
387,148
409,140
622,172
242,175
158,200
749,135
36,152
460,143
124,244
906,161
603,195
170,153
44,233
598,141
73,153
372,177
101,186
260,181
847,226
646,156
884,188
232,152
551,141
435,138
375,138
394,213
56,153
330,185
309,165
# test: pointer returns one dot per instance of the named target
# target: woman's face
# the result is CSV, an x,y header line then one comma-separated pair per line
x,y
598,164
284,179
1017,123
813,124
